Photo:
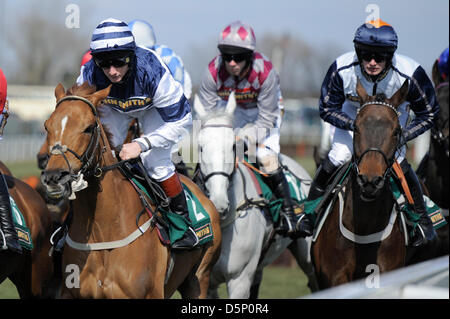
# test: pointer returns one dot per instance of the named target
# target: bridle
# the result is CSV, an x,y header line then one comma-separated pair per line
x,y
227,175
88,155
389,161
436,132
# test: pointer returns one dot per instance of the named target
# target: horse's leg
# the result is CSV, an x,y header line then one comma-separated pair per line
x,y
300,249
257,279
243,255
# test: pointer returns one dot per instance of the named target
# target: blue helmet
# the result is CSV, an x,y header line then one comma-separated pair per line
x,y
112,35
376,36
443,64
143,33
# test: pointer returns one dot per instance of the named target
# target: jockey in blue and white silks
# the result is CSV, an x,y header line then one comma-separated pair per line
x,y
142,88
380,70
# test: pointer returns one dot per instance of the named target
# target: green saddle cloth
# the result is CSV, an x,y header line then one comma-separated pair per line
x,y
23,232
178,225
275,204
433,210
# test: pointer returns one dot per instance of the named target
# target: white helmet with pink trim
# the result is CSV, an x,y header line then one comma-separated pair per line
x,y
237,34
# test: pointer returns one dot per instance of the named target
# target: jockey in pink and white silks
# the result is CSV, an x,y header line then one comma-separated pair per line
x,y
381,71
251,76
8,235
144,89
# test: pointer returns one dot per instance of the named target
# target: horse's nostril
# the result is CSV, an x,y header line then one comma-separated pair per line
x,y
42,160
55,177
378,181
362,179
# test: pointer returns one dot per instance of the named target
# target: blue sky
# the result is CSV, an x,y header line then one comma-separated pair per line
x,y
422,26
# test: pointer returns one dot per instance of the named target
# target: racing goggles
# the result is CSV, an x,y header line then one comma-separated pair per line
x,y
116,62
237,57
377,56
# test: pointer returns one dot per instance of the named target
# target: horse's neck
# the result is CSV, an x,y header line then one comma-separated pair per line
x,y
363,217
106,201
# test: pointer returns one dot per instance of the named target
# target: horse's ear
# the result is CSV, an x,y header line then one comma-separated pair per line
x,y
231,104
435,75
361,91
399,96
99,96
60,92
198,107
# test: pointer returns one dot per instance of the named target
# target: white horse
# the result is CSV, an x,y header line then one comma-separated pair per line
x,y
247,230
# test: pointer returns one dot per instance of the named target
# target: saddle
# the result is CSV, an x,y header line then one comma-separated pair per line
x,y
171,226
321,208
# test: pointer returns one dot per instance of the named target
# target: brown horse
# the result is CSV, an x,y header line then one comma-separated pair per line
x,y
343,250
32,271
106,210
433,169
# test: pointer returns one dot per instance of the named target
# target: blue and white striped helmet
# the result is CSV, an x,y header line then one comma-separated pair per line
x,y
112,35
143,32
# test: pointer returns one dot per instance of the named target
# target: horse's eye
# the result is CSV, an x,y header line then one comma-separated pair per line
x,y
89,129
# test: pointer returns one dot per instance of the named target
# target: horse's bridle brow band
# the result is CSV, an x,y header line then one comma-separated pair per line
x,y
79,98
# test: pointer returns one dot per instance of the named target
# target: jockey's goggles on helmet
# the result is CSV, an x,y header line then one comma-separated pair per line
x,y
377,56
116,62
238,57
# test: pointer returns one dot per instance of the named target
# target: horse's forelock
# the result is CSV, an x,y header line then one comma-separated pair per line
x,y
84,90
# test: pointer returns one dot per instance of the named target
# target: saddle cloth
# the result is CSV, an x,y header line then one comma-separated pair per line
x,y
404,207
23,232
275,204
178,225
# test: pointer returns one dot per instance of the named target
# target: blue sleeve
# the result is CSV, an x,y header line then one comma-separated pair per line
x,y
175,111
331,99
423,103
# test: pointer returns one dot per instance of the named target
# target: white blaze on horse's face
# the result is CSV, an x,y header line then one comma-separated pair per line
x,y
63,125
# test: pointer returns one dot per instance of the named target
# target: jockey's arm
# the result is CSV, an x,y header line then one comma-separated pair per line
x,y
423,103
332,98
208,92
174,109
268,104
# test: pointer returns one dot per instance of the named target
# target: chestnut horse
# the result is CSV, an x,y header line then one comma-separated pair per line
x,y
32,271
355,235
106,211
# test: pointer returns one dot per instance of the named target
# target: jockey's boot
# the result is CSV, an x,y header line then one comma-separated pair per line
x,y
178,205
424,232
8,234
318,185
280,187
